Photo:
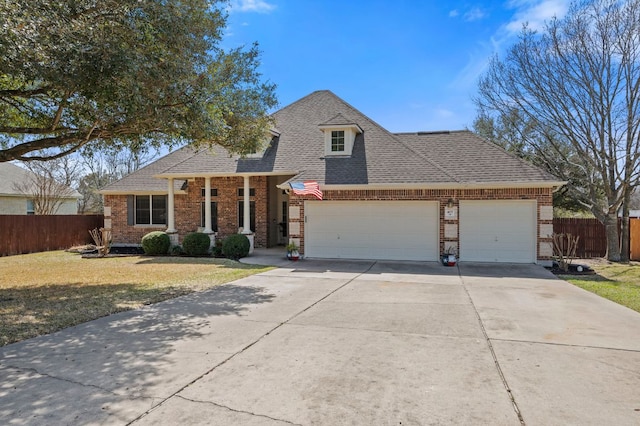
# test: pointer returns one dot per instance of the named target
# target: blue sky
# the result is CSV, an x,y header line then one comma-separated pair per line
x,y
408,64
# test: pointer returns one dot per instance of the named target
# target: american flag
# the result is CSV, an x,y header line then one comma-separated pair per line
x,y
309,187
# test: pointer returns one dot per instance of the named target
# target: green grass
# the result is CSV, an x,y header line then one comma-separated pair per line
x,y
617,282
45,292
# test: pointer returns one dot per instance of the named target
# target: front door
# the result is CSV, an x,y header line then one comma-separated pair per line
x,y
283,219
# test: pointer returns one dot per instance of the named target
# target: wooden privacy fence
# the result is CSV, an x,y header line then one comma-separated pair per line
x,y
28,234
593,238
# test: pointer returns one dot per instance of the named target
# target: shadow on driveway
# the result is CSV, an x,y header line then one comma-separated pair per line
x,y
117,364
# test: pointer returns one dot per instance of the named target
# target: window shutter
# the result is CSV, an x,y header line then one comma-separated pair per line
x,y
130,210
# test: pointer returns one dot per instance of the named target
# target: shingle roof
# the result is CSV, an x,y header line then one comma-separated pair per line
x,y
378,158
472,159
10,175
144,180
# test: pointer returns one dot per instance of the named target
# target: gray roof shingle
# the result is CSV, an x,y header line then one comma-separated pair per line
x,y
378,158
10,175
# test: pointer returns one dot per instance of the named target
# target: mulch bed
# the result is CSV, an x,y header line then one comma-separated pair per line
x,y
574,269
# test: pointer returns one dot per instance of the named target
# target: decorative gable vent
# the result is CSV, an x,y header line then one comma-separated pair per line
x,y
339,135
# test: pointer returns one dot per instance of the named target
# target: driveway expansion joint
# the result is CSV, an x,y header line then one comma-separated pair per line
x,y
568,345
237,411
268,332
512,398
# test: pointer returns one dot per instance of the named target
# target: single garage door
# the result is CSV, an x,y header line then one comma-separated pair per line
x,y
498,231
393,230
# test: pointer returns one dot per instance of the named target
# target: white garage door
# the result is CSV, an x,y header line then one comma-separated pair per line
x,y
394,230
498,231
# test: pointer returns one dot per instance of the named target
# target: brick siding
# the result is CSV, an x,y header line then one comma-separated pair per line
x,y
187,208
543,196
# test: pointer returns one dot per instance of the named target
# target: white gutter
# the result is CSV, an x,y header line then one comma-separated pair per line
x,y
446,185
212,175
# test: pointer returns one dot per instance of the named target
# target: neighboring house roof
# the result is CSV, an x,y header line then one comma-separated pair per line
x,y
10,175
378,158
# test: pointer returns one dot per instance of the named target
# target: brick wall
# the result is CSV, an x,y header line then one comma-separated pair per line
x,y
543,196
188,210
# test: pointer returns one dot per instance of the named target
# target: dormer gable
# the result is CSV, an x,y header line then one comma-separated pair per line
x,y
339,135
264,145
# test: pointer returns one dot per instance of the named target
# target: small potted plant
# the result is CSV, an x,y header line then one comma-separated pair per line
x,y
293,251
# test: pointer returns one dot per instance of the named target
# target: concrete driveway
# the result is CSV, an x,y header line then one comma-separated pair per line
x,y
342,343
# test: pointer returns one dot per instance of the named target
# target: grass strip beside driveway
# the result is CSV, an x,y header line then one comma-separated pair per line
x,y
45,292
617,282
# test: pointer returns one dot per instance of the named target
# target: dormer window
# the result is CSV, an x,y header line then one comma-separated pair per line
x,y
339,135
337,141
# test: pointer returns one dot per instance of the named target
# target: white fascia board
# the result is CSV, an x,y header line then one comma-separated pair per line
x,y
452,185
354,126
140,192
212,175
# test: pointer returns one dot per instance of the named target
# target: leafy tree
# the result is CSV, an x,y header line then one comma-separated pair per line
x,y
125,73
90,184
519,136
578,83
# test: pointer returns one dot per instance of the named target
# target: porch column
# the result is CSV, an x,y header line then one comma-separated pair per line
x,y
207,206
171,219
246,223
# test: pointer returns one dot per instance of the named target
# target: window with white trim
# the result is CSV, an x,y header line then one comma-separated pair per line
x,y
337,141
214,215
151,210
31,207
252,215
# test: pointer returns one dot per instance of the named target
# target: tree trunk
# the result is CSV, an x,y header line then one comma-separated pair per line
x,y
613,242
624,237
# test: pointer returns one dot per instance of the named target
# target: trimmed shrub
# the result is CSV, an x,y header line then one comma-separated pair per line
x,y
217,249
176,251
155,243
196,244
236,246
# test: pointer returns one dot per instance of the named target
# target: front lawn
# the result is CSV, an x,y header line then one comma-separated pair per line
x,y
44,292
617,282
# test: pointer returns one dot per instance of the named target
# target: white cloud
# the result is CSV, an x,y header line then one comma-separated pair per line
x,y
474,14
534,13
260,6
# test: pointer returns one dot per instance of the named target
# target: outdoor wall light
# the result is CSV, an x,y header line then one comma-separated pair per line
x,y
450,203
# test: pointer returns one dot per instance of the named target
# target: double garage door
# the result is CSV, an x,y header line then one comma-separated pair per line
x,y
489,231
394,230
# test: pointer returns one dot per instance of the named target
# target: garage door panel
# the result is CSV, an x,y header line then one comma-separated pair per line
x,y
498,231
372,230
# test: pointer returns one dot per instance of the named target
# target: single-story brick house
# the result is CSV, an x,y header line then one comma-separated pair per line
x,y
410,196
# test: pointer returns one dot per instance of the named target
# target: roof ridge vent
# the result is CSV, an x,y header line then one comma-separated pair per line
x,y
436,132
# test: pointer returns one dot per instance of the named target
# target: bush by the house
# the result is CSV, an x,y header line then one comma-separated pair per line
x,y
155,243
236,246
196,244
176,251
216,251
